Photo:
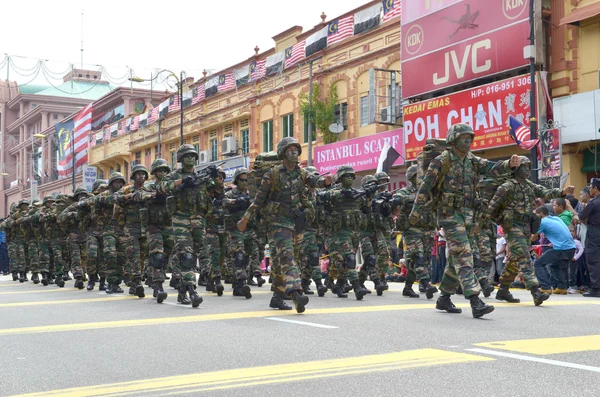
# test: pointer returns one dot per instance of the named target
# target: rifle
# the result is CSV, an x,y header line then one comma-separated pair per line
x,y
202,176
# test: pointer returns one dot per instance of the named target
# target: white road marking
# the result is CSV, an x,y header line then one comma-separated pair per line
x,y
285,320
536,359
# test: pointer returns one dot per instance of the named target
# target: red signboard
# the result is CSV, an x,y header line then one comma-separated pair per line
x,y
412,10
467,40
485,108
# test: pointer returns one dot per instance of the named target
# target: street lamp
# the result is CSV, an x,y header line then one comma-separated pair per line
x,y
32,179
180,94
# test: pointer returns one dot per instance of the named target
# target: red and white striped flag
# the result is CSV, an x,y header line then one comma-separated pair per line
x,y
198,94
339,30
294,54
82,125
121,129
391,9
174,105
226,82
153,116
258,69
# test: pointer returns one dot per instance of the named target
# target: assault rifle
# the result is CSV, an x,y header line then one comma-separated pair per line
x,y
202,176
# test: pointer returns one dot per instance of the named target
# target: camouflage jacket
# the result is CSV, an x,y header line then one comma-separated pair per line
x,y
346,212
215,219
234,211
189,201
129,213
160,207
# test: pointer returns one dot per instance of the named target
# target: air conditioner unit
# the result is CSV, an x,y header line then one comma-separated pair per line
x,y
385,115
229,145
203,157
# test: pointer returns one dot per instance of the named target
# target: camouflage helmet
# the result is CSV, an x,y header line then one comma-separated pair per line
x,y
23,202
239,172
457,130
367,180
139,168
97,184
382,176
344,170
411,172
312,170
283,145
159,163
525,160
80,191
36,203
221,172
48,198
115,176
185,149
13,207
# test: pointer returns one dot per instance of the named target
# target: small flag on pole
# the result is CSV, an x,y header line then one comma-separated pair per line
x,y
388,157
521,134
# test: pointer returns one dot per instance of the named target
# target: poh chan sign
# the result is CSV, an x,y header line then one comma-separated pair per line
x,y
485,108
360,153
464,41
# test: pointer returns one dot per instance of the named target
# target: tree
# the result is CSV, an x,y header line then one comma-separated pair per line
x,y
322,111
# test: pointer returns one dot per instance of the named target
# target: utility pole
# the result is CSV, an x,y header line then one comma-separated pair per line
x,y
532,90
180,108
310,102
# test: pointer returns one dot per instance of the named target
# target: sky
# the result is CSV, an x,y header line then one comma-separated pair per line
x,y
148,35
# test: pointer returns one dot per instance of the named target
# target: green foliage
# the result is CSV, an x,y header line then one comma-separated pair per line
x,y
322,111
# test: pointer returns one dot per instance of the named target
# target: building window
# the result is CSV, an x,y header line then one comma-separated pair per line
x,y
138,158
314,132
197,149
287,125
267,135
213,150
100,173
245,141
364,110
341,114
173,160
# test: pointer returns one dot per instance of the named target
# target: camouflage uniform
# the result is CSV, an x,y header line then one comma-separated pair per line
x,y
453,180
31,222
93,223
513,205
44,227
59,239
9,228
382,219
21,240
214,247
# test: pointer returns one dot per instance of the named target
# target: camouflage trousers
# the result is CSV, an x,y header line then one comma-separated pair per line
x,y
57,253
12,256
370,268
44,255
34,255
342,253
382,252
21,256
95,263
310,265
459,265
113,262
284,244
160,241
519,259
239,243
419,244
188,236
133,248
78,254
199,237
214,254
483,259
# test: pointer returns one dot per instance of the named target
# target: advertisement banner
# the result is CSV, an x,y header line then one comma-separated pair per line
x,y
90,174
551,161
463,42
413,10
360,153
485,108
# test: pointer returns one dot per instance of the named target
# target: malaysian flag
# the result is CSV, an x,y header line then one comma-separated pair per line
x,y
174,104
164,107
92,141
121,129
114,130
106,130
82,124
294,54
340,29
198,94
131,124
153,116
391,9
258,69
226,82
521,134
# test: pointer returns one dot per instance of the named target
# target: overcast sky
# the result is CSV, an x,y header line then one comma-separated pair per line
x,y
146,35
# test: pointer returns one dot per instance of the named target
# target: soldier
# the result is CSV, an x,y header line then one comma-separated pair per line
x,y
45,227
347,222
382,218
281,193
10,229
31,222
21,240
132,244
96,266
368,240
513,205
450,185
59,239
192,205
418,238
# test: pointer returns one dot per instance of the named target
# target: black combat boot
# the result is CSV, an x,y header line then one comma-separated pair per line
x,y
384,282
22,277
444,303
459,290
15,276
203,281
321,289
182,296
379,286
479,308
362,285
408,291
538,296
338,289
51,278
139,288
127,280
92,282
504,294
240,288
487,288
300,301
228,280
219,288
347,287
306,287
66,276
149,282
174,283
79,282
35,277
422,286
114,289
60,282
259,280
159,292
195,298
45,279
277,302
210,285
429,289
250,281
359,291
102,285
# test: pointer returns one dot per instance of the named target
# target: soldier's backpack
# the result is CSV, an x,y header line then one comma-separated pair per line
x,y
264,162
432,149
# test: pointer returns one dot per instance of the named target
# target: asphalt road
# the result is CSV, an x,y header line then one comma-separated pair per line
x,y
56,342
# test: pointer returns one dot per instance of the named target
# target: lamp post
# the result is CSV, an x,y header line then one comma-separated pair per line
x,y
32,179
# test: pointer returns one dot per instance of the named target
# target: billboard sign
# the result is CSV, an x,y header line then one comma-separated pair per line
x,y
485,108
466,40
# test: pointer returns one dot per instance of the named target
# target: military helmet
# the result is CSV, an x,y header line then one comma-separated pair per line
x,y
13,207
382,176
115,176
36,203
185,149
344,170
239,172
369,179
139,168
457,130
221,172
80,190
159,163
283,145
411,172
48,198
312,170
97,184
525,160
23,202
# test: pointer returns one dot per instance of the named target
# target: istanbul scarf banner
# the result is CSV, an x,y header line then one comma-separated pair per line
x,y
485,108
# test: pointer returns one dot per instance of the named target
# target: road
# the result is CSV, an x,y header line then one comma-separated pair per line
x,y
56,342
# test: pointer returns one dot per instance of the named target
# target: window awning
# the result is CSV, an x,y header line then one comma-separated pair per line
x,y
580,14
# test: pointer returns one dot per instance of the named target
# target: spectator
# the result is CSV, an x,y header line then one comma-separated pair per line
x,y
551,267
584,198
3,254
559,206
437,269
574,265
498,267
591,216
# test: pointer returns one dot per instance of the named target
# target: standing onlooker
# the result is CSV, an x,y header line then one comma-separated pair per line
x,y
574,265
551,267
591,215
3,253
584,198
498,267
559,206
437,271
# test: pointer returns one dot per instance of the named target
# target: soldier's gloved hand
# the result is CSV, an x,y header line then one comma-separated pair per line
x,y
348,193
188,181
137,196
214,172
413,218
